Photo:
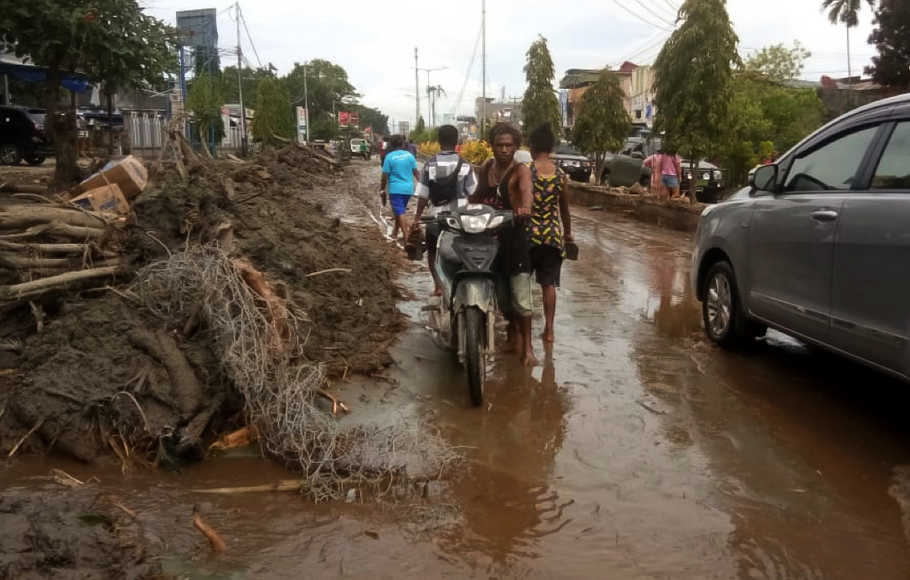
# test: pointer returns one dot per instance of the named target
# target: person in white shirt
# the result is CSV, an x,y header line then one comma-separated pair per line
x,y
445,184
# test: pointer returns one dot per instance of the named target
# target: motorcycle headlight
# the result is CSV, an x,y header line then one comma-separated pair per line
x,y
689,176
706,175
453,223
474,224
495,222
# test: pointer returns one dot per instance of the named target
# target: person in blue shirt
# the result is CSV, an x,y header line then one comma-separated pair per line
x,y
399,170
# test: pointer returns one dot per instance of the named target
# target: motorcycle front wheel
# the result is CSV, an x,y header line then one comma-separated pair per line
x,y
475,356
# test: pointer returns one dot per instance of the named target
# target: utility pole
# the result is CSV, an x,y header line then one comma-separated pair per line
x,y
483,53
416,89
306,105
431,105
240,83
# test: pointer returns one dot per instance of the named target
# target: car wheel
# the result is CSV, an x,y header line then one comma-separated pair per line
x,y
10,155
725,320
35,159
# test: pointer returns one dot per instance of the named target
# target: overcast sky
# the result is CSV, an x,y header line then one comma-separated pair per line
x,y
374,40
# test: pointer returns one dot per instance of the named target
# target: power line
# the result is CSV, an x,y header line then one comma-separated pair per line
x,y
662,38
250,38
467,74
655,14
641,18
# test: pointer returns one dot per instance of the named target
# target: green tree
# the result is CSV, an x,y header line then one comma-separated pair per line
x,y
113,41
764,114
693,75
250,81
145,53
206,60
419,133
846,11
891,37
328,91
540,105
779,63
373,118
274,116
603,123
204,100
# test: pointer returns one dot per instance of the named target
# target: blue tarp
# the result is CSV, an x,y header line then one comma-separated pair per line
x,y
33,74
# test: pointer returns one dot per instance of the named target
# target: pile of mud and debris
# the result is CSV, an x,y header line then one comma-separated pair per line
x,y
158,309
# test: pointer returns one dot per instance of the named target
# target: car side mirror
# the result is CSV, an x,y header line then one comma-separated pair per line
x,y
764,178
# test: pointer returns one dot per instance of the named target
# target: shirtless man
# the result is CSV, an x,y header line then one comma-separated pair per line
x,y
520,188
492,190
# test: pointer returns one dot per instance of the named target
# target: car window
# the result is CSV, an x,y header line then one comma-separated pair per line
x,y
831,166
893,171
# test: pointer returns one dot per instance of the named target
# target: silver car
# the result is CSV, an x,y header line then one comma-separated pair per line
x,y
819,245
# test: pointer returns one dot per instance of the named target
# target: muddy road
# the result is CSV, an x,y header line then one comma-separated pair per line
x,y
635,450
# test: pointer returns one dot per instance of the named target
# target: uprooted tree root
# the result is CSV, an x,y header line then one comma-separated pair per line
x,y
279,386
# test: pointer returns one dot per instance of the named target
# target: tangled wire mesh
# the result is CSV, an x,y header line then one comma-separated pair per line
x,y
279,385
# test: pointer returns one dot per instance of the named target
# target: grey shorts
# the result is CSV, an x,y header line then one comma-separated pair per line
x,y
522,300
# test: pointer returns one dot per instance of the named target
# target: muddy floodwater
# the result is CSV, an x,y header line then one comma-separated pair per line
x,y
635,450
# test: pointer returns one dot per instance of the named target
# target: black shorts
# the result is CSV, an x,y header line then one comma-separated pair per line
x,y
546,262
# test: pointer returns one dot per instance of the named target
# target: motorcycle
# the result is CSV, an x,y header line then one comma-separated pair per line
x,y
465,317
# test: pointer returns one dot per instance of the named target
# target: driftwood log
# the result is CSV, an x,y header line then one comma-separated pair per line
x,y
28,290
185,386
57,230
25,215
23,188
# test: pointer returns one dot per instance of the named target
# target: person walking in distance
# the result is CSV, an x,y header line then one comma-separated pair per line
x,y
653,163
399,170
549,226
670,172
445,184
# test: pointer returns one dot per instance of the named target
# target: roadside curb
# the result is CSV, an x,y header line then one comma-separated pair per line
x,y
647,208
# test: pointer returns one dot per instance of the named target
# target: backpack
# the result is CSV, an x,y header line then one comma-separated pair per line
x,y
444,190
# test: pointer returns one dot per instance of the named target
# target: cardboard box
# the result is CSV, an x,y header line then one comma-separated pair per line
x,y
128,173
106,199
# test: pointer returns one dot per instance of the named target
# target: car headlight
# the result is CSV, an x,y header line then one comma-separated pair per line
x,y
474,224
689,176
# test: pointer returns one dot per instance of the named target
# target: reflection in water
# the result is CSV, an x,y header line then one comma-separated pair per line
x,y
677,313
505,493
797,511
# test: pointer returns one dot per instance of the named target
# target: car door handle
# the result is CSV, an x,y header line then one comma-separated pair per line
x,y
824,215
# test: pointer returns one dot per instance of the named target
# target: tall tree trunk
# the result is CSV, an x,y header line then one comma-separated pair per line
x,y
62,131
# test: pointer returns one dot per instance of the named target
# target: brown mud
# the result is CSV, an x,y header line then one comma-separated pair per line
x,y
635,450
84,385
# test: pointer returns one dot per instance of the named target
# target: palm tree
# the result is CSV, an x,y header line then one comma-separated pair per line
x,y
846,11
434,92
